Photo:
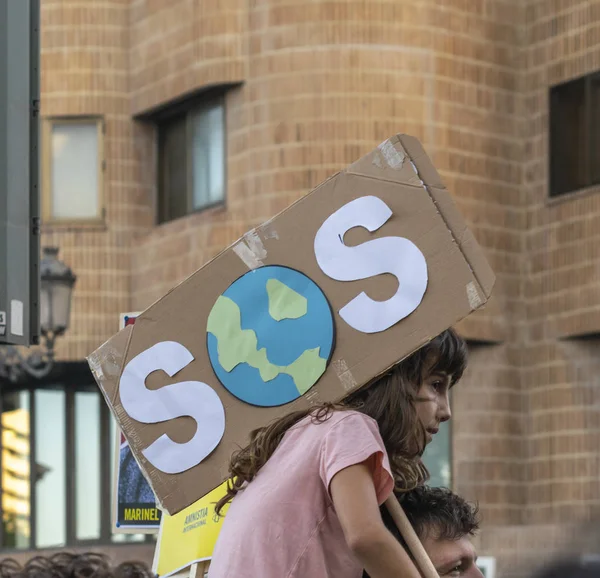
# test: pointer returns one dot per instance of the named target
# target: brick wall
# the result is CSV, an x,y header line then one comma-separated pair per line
x,y
488,432
84,71
325,83
562,246
562,282
321,83
178,46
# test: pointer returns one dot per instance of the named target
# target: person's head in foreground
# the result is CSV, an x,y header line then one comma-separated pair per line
x,y
70,565
408,403
445,524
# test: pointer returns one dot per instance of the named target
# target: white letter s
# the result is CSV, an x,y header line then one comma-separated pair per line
x,y
395,255
186,398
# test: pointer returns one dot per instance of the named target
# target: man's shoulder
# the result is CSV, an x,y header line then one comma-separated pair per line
x,y
337,422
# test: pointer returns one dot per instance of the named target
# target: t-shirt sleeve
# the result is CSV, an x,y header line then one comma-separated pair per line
x,y
352,440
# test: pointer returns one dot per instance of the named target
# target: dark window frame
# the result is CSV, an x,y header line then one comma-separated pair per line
x,y
185,111
75,378
563,136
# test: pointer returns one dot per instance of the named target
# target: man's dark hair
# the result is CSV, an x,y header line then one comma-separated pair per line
x,y
434,510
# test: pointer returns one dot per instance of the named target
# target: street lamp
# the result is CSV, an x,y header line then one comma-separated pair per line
x,y
56,286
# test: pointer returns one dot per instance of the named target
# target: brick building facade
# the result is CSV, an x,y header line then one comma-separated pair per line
x,y
308,87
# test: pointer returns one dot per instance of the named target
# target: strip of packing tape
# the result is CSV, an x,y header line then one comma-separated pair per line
x,y
255,244
269,231
473,296
389,155
105,363
312,397
393,155
251,250
344,374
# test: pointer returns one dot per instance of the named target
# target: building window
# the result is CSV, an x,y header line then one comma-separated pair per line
x,y
51,454
88,465
55,490
191,151
575,135
72,157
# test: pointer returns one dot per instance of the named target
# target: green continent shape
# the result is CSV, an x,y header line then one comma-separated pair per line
x,y
236,345
285,303
306,369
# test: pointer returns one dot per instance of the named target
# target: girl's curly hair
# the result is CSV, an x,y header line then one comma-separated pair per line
x,y
389,400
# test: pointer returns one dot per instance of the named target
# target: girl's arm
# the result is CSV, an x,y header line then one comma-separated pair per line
x,y
355,502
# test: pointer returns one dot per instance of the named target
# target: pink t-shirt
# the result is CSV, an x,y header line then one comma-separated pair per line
x,y
283,524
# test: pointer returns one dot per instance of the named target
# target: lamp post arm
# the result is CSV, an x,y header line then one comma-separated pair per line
x,y
38,364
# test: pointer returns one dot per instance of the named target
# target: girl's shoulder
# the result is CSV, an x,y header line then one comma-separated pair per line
x,y
352,415
339,428
335,417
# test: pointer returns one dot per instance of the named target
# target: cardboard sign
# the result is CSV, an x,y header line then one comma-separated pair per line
x,y
134,502
315,303
189,536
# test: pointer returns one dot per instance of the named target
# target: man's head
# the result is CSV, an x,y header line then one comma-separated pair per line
x,y
67,565
444,523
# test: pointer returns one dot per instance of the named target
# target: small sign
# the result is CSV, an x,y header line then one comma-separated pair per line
x,y
16,317
189,536
134,503
2,317
2,330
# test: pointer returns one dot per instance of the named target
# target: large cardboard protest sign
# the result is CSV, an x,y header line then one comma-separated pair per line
x,y
306,308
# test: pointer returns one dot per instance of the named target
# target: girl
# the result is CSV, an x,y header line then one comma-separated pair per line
x,y
306,491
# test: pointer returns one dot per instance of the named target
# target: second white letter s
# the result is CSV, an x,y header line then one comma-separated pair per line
x,y
395,255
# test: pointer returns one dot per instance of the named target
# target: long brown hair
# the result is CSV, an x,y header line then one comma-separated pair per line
x,y
389,400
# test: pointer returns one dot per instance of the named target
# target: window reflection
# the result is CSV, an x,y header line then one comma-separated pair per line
x,y
36,428
437,458
208,152
15,470
87,465
50,457
74,170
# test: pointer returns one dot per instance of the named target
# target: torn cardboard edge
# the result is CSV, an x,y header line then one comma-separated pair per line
x,y
102,363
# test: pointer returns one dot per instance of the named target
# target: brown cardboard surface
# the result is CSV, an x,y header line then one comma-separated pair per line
x,y
460,281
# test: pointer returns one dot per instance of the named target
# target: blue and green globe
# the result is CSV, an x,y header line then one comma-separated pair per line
x,y
270,336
